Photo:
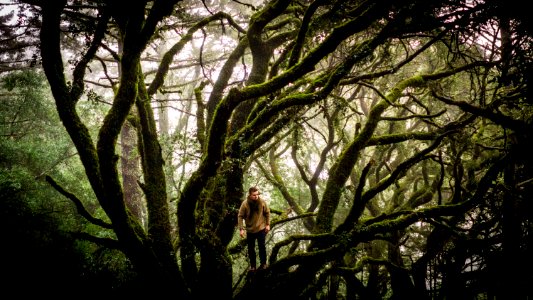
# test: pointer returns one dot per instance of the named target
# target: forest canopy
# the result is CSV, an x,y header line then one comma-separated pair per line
x,y
391,140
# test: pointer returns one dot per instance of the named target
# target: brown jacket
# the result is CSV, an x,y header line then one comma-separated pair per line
x,y
255,220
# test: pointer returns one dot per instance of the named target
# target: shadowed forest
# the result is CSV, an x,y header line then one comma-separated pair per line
x,y
390,139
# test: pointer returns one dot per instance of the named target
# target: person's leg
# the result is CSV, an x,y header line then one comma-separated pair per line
x,y
250,240
262,248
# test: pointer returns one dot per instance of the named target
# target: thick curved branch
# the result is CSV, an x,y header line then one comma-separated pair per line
x,y
358,203
402,168
106,242
79,206
500,119
80,69
298,45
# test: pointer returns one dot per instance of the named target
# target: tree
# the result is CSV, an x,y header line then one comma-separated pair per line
x,y
419,102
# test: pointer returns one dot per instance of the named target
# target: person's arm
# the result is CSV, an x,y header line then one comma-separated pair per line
x,y
267,217
240,220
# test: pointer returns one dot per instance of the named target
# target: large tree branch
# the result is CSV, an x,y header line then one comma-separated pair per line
x,y
79,205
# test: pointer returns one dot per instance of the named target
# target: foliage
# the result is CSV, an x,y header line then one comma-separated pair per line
x,y
39,227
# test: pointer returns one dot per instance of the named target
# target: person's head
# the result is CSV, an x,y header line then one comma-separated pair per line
x,y
253,193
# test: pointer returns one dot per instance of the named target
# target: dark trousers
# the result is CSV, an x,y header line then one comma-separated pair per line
x,y
250,240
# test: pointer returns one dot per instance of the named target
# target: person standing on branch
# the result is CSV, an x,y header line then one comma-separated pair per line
x,y
254,223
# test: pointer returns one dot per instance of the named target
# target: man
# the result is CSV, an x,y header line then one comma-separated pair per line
x,y
254,220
